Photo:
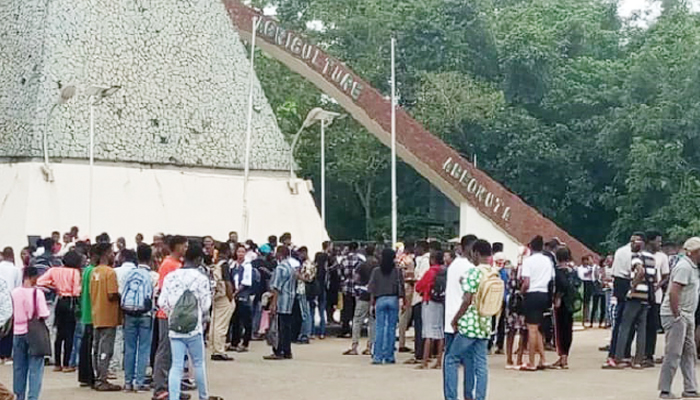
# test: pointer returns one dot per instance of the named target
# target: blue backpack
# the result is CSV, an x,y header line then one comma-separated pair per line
x,y
137,297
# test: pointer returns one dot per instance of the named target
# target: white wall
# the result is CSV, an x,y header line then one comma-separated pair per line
x,y
130,200
473,222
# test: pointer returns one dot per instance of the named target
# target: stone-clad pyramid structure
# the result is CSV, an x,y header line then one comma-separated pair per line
x,y
169,145
183,72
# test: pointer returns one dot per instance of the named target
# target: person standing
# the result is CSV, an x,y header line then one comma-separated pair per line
x,y
283,287
433,308
537,272
586,275
422,266
566,294
320,283
161,366
678,320
306,275
186,291
13,279
223,306
598,299
27,370
473,331
386,288
65,281
242,276
137,304
363,305
104,298
347,274
406,264
86,371
663,271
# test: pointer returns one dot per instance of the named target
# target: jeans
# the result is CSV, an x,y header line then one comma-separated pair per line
x,y
6,344
26,368
320,303
680,351
634,318
117,362
137,348
257,314
467,363
284,341
306,321
347,313
471,352
653,324
180,347
418,330
103,350
387,315
77,342
620,288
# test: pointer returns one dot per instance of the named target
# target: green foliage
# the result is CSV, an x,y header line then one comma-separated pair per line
x,y
588,118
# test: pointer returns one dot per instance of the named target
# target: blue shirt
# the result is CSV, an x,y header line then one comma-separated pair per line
x,y
284,282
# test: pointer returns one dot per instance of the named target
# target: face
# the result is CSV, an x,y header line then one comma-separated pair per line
x,y
655,244
157,240
110,257
240,253
25,255
694,255
66,238
208,242
233,236
637,243
139,238
448,258
121,244
56,237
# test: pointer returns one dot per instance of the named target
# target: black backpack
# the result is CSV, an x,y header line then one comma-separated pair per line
x,y
437,293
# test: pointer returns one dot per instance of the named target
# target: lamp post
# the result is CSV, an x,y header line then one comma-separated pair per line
x,y
96,93
326,118
66,94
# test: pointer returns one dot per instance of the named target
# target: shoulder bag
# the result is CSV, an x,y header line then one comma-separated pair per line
x,y
38,337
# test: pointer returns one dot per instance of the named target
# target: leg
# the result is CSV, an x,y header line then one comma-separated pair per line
x,y
237,326
97,337
652,330
247,323
382,327
587,289
20,366
223,315
626,324
195,348
77,342
322,306
510,339
177,365
144,349
307,324
392,321
481,371
163,359
427,345
688,358
116,362
532,346
36,375
501,331
372,327
361,313
257,314
418,330
640,353
404,323
130,348
86,373
68,344
675,340
105,352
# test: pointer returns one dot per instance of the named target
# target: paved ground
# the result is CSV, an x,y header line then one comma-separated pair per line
x,y
319,372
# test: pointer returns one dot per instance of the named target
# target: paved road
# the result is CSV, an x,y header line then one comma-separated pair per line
x,y
319,372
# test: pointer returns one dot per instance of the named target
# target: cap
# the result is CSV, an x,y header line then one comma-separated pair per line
x,y
692,244
500,257
265,249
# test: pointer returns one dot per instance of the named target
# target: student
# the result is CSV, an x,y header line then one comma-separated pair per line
x,y
363,305
537,272
347,274
283,287
28,370
599,302
65,281
319,299
386,287
137,303
473,331
565,298
663,271
86,372
433,310
104,298
515,319
422,266
13,278
586,274
242,321
223,306
188,339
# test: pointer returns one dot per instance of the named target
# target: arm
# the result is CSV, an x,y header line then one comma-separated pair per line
x,y
423,285
77,287
674,296
466,302
525,285
46,280
204,294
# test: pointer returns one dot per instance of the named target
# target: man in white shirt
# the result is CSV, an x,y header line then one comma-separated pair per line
x,y
653,246
537,273
453,300
12,276
422,266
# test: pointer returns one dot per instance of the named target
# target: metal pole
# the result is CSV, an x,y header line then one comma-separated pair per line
x,y
323,172
92,165
249,128
394,215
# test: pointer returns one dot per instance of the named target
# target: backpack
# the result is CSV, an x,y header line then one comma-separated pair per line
x,y
257,282
185,315
137,297
437,292
573,300
490,295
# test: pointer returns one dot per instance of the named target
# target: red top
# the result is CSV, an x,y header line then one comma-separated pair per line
x,y
169,265
425,285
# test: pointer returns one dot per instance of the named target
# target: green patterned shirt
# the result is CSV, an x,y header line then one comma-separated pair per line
x,y
471,324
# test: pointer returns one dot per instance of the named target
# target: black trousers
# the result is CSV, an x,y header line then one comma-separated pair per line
x,y
6,345
65,330
86,373
563,330
547,327
297,319
418,328
242,324
620,288
598,304
347,313
501,331
652,331
284,342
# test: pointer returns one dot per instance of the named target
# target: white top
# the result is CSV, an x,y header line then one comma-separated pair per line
x,y
175,285
422,266
662,268
622,263
453,289
585,272
540,270
10,274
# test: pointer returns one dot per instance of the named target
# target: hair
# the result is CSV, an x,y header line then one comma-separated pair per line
x,y
467,241
586,257
47,244
251,244
651,234
564,254
303,249
176,240
8,253
537,243
370,249
639,233
438,256
57,233
552,244
194,251
73,259
121,239
435,245
386,264
285,236
30,272
232,233
74,229
129,256
139,235
103,238
325,244
102,248
207,237
282,251
353,246
497,247
144,253
223,248
422,245
272,239
482,248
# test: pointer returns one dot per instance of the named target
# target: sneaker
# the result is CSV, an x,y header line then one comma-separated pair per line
x,y
187,386
221,357
142,388
69,369
690,395
57,368
107,387
667,396
242,349
273,357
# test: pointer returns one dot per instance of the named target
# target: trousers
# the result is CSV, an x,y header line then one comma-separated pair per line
x,y
161,366
284,342
680,351
86,372
222,311
418,330
242,323
635,314
361,314
103,350
563,330
65,330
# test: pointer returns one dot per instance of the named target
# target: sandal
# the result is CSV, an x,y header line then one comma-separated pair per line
x,y
527,368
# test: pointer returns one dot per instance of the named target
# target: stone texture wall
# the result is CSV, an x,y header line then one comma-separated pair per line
x,y
183,72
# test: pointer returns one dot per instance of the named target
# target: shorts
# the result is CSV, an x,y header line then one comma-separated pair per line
x,y
534,306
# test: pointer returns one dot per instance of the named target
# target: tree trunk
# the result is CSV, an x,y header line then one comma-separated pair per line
x,y
365,195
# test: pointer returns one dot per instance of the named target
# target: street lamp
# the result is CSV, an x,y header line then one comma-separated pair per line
x,y
66,94
97,93
326,118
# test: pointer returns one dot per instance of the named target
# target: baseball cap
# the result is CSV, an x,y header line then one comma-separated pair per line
x,y
692,244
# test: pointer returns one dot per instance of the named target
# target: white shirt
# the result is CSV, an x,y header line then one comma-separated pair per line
x,y
540,270
422,266
175,285
662,268
453,290
122,272
585,272
10,274
622,263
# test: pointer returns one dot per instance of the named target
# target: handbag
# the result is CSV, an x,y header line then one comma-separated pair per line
x,y
38,337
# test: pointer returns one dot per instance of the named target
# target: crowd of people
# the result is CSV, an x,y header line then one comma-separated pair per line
x,y
98,307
